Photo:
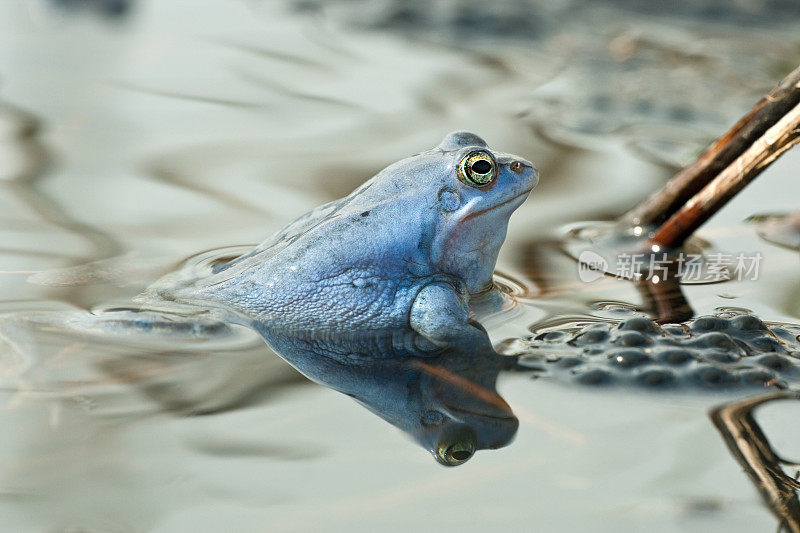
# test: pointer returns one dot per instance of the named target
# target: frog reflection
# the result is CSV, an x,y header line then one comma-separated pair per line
x,y
444,398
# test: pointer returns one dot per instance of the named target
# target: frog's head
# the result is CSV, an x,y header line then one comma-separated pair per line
x,y
476,191
463,414
458,197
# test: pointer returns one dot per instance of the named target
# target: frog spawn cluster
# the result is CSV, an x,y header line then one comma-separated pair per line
x,y
710,352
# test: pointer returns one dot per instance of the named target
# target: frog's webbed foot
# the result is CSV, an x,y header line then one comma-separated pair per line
x,y
441,315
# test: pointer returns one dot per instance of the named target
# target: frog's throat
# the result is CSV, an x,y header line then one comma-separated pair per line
x,y
492,208
467,247
469,253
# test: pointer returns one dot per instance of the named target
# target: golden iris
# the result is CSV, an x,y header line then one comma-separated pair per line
x,y
456,453
477,169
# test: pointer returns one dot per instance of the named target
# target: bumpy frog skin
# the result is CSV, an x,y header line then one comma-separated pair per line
x,y
407,248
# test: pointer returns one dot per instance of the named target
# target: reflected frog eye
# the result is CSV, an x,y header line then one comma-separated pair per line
x,y
455,453
477,169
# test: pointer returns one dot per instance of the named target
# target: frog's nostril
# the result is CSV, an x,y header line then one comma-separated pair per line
x,y
516,167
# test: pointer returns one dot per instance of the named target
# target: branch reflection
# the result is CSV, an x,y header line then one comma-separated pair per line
x,y
750,447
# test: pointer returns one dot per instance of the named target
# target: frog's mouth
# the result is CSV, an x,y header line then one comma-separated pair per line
x,y
497,415
501,204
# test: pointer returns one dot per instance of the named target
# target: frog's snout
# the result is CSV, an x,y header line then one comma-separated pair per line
x,y
525,171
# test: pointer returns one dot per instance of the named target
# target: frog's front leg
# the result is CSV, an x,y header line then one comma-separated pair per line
x,y
440,314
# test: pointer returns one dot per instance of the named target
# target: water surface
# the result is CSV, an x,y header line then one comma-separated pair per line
x,y
136,134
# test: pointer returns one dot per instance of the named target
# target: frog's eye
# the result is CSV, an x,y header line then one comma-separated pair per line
x,y
455,453
477,169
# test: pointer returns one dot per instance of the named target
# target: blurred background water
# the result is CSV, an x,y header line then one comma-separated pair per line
x,y
134,134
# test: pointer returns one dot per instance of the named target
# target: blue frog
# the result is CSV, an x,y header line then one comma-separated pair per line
x,y
408,248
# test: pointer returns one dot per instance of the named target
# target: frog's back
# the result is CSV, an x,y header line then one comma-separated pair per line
x,y
293,231
345,264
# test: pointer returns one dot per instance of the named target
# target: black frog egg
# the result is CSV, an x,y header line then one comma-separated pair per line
x,y
709,323
765,344
656,378
747,323
716,340
712,376
569,362
783,334
595,376
640,324
718,356
590,336
633,338
592,352
551,336
629,358
755,376
674,356
774,362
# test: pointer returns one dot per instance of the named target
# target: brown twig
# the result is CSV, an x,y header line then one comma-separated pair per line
x,y
721,154
741,171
